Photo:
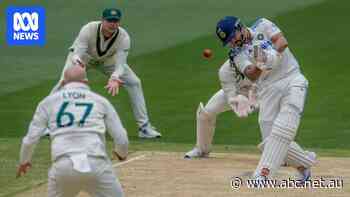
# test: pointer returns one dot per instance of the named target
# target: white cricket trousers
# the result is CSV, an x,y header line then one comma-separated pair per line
x,y
64,181
281,105
286,93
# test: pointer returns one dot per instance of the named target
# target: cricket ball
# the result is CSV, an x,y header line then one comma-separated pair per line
x,y
207,53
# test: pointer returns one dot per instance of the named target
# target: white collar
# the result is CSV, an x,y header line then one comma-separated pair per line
x,y
76,85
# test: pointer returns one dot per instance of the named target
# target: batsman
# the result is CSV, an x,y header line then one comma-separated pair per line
x,y
104,45
261,54
261,63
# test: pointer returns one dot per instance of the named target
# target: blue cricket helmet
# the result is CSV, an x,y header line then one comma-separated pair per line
x,y
227,27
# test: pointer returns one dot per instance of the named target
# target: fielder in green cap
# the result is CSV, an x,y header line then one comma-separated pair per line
x,y
112,14
105,45
110,21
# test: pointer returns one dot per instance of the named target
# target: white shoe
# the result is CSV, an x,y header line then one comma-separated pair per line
x,y
312,155
195,153
305,173
148,131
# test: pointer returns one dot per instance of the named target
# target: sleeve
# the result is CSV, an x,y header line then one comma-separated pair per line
x,y
36,129
269,28
81,42
116,131
227,80
121,57
242,61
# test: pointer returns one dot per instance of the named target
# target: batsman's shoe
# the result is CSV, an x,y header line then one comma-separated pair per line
x,y
148,131
195,153
304,174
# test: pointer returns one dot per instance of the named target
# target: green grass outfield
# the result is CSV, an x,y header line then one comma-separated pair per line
x,y
153,25
176,78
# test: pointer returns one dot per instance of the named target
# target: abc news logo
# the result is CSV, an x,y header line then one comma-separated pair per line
x,y
25,26
29,30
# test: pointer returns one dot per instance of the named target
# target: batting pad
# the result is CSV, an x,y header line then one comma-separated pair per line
x,y
274,154
296,156
205,129
277,144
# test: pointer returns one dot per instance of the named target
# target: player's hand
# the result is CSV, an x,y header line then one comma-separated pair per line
x,y
117,156
240,105
113,86
77,61
22,169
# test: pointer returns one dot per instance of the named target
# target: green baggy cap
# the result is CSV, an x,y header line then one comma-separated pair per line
x,y
112,14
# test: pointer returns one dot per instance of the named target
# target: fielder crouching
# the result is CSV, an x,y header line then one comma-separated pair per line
x,y
237,94
104,45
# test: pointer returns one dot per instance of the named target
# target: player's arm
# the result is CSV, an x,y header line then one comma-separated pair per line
x,y
238,103
275,35
81,45
271,57
267,59
247,67
227,80
121,56
279,42
117,132
36,129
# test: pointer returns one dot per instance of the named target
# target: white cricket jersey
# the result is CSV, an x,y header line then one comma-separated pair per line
x,y
233,81
262,32
77,119
92,48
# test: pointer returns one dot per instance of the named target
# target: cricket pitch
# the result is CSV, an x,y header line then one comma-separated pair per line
x,y
159,174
